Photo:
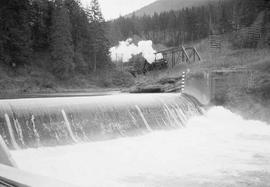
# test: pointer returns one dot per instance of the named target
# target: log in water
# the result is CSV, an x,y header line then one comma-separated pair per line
x,y
39,122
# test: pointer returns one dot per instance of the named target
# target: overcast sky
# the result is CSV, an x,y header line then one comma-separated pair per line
x,y
114,8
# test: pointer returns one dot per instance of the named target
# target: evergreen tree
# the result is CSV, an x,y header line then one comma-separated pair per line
x,y
15,33
224,23
190,24
99,42
163,24
41,14
80,35
172,24
61,42
114,33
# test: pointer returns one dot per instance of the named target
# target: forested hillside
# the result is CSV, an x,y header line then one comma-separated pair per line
x,y
47,43
54,46
190,24
167,5
73,38
229,35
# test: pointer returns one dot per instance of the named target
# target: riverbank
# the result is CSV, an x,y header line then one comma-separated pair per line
x,y
37,81
247,97
244,93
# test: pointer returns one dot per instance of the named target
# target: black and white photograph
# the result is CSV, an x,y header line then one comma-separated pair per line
x,y
134,93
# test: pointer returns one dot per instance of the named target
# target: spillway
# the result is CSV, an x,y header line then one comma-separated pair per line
x,y
218,148
40,122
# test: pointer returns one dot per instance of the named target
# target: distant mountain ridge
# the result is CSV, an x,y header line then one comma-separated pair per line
x,y
167,5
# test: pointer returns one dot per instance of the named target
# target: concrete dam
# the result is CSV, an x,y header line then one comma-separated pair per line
x,y
167,139
39,122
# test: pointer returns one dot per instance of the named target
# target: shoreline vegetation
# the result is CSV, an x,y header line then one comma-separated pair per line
x,y
248,97
38,82
251,103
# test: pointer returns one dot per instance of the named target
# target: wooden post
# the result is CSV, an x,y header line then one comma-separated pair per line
x,y
173,59
198,55
194,57
185,53
183,56
182,86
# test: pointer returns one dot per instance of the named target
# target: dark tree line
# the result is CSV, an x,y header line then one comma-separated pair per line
x,y
73,36
189,24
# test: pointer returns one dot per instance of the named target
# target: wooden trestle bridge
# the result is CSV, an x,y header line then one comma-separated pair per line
x,y
178,55
170,58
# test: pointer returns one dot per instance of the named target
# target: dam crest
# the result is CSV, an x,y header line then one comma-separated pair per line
x,y
40,122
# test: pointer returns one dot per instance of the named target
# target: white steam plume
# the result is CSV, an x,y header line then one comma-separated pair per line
x,y
126,49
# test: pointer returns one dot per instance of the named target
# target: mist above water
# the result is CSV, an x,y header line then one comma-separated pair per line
x,y
217,149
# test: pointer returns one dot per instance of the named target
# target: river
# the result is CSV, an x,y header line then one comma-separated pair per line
x,y
218,148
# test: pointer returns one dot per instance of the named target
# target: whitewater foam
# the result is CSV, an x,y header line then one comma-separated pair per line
x,y
217,149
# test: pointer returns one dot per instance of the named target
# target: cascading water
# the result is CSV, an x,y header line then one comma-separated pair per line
x,y
218,148
42,122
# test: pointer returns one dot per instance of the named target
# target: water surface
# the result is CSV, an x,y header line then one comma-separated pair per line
x,y
218,149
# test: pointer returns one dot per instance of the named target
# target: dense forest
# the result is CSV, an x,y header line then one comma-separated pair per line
x,y
173,28
75,38
160,6
72,36
44,43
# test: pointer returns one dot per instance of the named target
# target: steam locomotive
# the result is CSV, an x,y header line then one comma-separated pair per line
x,y
138,67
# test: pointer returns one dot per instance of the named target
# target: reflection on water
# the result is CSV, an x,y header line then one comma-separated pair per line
x,y
217,149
